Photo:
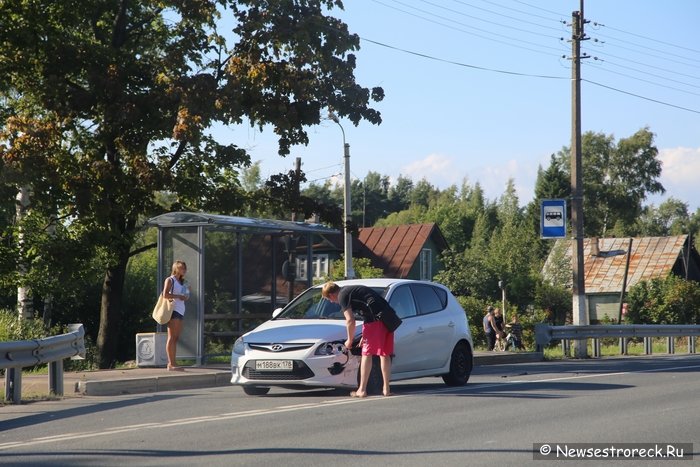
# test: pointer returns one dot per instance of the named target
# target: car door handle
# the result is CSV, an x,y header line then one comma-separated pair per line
x,y
451,324
420,331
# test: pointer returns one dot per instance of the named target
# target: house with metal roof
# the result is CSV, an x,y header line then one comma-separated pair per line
x,y
613,265
409,251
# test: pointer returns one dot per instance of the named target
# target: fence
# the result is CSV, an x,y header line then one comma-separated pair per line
x,y
545,333
52,350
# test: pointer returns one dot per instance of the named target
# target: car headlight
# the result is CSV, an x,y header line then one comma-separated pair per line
x,y
330,348
239,346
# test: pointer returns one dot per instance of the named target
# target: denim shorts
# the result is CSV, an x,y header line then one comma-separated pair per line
x,y
177,315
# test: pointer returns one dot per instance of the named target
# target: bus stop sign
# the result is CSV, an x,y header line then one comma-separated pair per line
x,y
553,218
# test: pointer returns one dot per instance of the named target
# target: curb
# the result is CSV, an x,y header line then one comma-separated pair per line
x,y
153,384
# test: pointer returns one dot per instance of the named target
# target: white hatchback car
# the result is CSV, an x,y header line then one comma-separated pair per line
x,y
302,345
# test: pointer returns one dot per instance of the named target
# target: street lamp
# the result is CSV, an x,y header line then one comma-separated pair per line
x,y
502,286
349,272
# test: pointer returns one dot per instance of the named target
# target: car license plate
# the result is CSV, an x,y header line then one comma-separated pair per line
x,y
273,365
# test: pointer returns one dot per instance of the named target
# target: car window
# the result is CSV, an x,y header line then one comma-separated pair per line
x,y
442,295
427,298
311,305
402,302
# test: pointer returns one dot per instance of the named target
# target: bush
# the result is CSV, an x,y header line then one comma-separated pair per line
x,y
14,329
475,309
529,320
669,300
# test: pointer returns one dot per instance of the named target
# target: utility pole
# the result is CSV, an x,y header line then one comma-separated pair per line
x,y
289,267
580,314
297,188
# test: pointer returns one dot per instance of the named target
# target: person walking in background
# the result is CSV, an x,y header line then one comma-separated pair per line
x,y
175,288
376,338
489,328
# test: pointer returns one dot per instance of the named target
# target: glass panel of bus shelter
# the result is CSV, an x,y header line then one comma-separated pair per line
x,y
182,243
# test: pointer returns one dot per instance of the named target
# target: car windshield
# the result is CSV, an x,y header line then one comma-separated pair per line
x,y
310,305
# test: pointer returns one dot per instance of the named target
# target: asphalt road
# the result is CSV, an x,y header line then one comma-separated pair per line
x,y
494,420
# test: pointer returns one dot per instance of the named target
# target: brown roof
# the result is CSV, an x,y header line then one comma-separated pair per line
x,y
395,249
651,257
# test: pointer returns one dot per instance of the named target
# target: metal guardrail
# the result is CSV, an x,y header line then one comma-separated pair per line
x,y
52,350
545,333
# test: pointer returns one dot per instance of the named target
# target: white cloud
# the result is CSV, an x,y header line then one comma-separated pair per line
x,y
439,170
680,165
679,168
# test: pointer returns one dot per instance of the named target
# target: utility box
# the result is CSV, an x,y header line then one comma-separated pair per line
x,y
150,349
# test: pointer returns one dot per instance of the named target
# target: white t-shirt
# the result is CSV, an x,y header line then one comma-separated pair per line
x,y
178,289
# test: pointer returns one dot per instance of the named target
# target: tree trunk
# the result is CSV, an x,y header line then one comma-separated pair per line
x,y
110,312
25,306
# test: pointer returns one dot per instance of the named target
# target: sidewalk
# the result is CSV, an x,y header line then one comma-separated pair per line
x,y
150,379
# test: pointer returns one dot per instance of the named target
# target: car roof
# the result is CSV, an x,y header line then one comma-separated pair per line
x,y
377,282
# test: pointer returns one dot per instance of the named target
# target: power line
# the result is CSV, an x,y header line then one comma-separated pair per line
x,y
645,52
539,8
508,38
492,12
641,97
430,57
323,168
519,11
647,65
648,38
649,74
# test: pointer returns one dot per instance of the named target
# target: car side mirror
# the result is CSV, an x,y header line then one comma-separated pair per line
x,y
276,312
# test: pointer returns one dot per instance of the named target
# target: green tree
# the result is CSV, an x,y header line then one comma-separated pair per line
x,y
423,193
617,178
107,103
362,266
400,194
370,199
670,218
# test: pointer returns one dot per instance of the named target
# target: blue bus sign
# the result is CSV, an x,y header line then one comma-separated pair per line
x,y
553,218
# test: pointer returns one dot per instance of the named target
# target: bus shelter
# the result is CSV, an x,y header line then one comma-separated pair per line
x,y
239,270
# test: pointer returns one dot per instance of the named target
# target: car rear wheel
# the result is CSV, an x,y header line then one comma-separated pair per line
x,y
461,364
256,390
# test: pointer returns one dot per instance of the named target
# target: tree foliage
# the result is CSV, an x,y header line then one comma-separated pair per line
x,y
617,178
105,104
668,300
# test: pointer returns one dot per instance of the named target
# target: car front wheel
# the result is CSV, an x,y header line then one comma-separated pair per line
x,y
256,390
461,364
375,383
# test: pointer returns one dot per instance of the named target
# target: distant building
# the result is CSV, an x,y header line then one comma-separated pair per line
x,y
605,261
409,251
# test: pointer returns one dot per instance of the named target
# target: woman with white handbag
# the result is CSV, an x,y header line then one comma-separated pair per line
x,y
176,289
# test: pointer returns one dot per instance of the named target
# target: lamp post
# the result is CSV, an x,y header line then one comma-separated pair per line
x,y
349,272
502,286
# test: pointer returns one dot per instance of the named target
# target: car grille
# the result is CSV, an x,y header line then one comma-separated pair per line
x,y
282,347
299,371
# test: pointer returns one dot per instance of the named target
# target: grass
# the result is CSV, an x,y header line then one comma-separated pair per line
x,y
611,348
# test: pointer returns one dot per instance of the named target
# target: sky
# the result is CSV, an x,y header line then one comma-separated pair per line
x,y
480,91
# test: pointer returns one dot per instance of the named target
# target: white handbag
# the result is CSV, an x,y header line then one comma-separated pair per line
x,y
163,310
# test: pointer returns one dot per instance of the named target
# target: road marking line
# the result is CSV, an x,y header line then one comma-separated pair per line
x,y
298,407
